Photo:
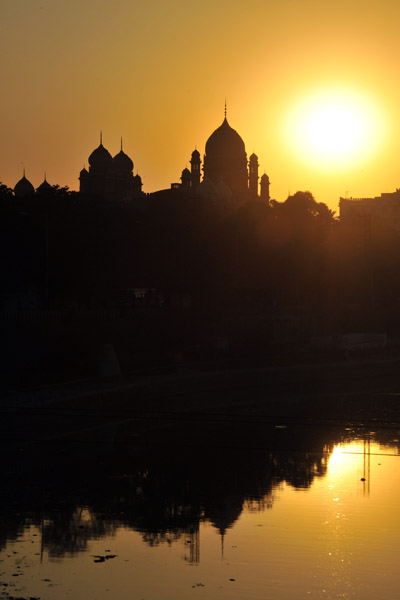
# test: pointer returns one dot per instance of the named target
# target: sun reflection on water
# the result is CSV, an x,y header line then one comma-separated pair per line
x,y
331,533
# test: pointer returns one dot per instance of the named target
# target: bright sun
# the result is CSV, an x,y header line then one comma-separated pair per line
x,y
334,129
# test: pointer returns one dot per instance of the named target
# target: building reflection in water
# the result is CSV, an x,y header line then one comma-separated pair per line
x,y
165,493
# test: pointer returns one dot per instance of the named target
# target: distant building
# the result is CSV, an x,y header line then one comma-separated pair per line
x,y
110,178
225,159
227,172
385,207
253,176
24,190
264,188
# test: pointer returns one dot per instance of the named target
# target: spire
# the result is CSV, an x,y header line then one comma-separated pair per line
x,y
24,171
121,143
226,108
101,137
45,178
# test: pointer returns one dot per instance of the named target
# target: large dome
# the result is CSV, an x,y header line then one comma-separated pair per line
x,y
226,159
100,158
122,162
224,140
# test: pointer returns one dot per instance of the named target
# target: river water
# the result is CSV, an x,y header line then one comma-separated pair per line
x,y
287,511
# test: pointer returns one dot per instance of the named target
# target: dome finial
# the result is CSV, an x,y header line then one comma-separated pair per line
x,y
226,108
101,137
121,143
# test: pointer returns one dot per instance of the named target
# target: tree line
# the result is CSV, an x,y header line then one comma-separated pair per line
x,y
287,255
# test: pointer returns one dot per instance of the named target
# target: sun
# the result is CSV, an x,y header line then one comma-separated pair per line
x,y
334,129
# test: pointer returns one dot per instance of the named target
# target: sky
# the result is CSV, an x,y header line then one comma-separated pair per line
x,y
312,88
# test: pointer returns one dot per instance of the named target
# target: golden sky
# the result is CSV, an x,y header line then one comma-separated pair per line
x,y
157,74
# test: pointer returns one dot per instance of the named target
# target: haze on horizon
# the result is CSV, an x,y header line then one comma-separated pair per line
x,y
157,74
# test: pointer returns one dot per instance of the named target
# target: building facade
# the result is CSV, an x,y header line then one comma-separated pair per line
x,y
385,208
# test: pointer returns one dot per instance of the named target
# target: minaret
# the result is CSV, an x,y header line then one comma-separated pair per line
x,y
264,188
195,162
186,179
253,176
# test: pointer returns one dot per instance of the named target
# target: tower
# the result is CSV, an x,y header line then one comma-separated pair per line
x,y
195,162
253,176
186,179
264,188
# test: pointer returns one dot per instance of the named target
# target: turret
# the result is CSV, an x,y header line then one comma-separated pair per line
x,y
195,162
186,178
253,176
264,188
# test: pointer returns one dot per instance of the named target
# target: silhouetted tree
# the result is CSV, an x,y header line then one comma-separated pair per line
x,y
5,192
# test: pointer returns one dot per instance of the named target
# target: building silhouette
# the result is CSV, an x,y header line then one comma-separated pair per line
x,y
45,187
225,159
384,208
110,178
23,188
225,174
253,176
195,174
264,187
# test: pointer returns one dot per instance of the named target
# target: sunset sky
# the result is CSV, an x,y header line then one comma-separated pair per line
x,y
312,87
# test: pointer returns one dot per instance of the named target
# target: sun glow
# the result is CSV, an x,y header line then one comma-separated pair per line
x,y
334,129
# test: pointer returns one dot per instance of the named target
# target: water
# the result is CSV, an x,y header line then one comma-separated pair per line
x,y
277,511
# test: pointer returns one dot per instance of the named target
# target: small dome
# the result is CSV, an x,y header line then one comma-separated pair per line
x,y
224,140
24,188
100,158
137,183
44,187
253,157
264,177
206,189
84,172
223,191
186,173
195,154
122,162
